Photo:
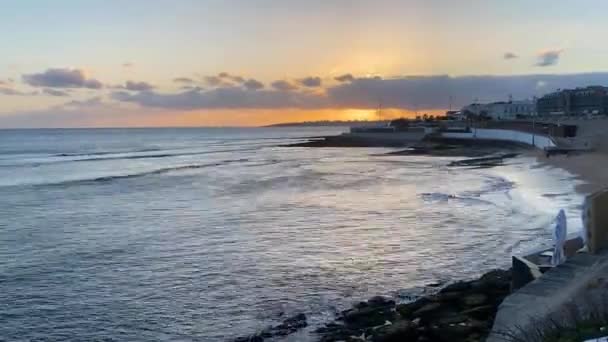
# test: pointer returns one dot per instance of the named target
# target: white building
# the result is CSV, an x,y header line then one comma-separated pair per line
x,y
502,110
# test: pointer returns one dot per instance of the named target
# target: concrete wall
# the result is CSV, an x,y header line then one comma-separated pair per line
x,y
536,140
581,281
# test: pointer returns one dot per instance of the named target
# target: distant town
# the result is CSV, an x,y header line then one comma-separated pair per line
x,y
588,102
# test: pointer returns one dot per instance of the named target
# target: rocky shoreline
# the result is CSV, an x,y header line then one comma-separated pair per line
x,y
462,311
428,147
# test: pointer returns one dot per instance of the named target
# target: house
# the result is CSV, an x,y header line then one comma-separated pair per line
x,y
455,115
502,110
592,100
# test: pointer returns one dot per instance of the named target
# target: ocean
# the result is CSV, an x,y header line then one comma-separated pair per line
x,y
207,234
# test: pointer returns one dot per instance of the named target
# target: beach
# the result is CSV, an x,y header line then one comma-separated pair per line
x,y
590,167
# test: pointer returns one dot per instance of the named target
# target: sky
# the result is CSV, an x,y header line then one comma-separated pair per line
x,y
113,63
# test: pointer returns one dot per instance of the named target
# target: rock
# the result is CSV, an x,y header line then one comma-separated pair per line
x,y
335,332
398,331
495,280
482,326
451,332
253,338
437,284
461,312
406,310
453,319
459,286
449,297
474,300
380,301
289,326
360,305
369,316
481,312
427,310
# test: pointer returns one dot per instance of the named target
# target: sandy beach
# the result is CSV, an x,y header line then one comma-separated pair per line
x,y
590,167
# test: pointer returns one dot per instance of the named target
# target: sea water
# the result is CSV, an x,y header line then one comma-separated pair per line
x,y
209,234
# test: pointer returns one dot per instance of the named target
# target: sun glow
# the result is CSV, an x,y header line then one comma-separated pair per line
x,y
360,114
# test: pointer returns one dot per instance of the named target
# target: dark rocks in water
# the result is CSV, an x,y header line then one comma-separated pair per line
x,y
380,301
428,310
406,310
253,338
456,287
475,299
349,141
396,332
485,161
462,311
287,327
290,325
375,311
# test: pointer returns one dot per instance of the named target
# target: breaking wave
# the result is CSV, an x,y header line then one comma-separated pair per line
x,y
106,179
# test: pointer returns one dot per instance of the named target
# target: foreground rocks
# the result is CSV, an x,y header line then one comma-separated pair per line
x,y
289,326
462,311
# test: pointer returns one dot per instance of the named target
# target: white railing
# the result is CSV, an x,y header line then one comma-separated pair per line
x,y
539,141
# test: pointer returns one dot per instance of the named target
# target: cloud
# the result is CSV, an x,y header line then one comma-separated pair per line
x,y
345,78
93,101
183,80
138,86
223,98
128,65
548,58
192,87
310,82
234,78
509,55
237,79
404,92
283,85
54,92
88,113
213,81
62,78
8,91
252,84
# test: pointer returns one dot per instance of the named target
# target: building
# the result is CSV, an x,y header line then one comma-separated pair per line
x,y
455,115
502,110
591,100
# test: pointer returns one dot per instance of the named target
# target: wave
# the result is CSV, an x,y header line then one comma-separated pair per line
x,y
441,197
493,185
99,156
106,179
103,153
159,155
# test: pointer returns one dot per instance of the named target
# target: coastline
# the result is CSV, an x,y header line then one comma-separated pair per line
x,y
589,167
464,310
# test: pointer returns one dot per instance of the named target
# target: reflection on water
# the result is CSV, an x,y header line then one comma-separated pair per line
x,y
170,234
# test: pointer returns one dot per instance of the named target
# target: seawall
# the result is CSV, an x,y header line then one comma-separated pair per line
x,y
581,280
518,137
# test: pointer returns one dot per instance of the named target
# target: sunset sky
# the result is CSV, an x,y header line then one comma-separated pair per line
x,y
74,63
